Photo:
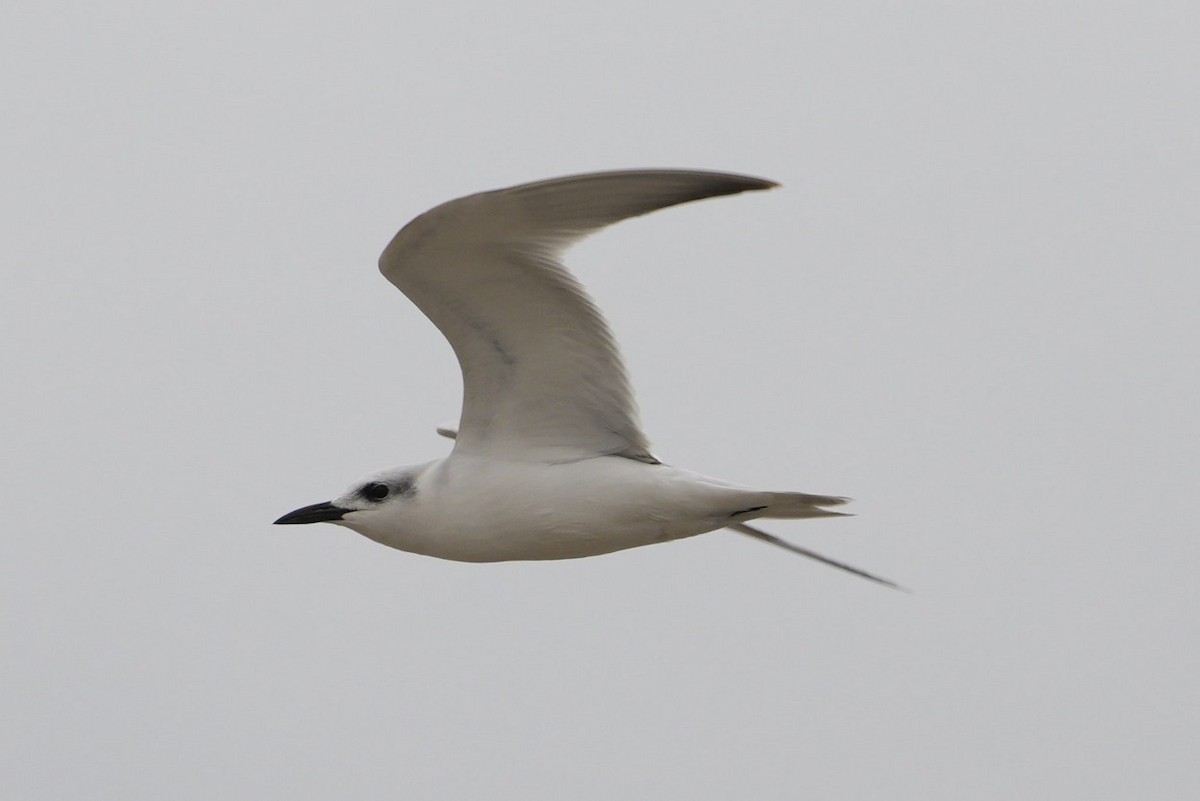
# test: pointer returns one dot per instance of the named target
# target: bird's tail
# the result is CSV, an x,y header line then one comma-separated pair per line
x,y
794,505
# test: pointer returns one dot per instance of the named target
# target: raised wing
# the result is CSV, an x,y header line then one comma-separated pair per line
x,y
542,377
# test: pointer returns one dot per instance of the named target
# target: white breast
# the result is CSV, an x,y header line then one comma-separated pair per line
x,y
482,510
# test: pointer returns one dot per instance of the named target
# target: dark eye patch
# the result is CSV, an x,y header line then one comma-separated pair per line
x,y
374,491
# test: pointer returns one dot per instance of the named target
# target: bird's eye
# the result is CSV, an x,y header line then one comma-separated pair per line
x,y
375,491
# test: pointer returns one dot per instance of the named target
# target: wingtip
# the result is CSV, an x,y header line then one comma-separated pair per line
x,y
747,183
759,534
752,183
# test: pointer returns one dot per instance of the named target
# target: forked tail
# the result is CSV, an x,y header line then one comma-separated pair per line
x,y
794,505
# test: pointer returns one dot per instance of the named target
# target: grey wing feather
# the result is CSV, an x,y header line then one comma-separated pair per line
x,y
759,534
542,376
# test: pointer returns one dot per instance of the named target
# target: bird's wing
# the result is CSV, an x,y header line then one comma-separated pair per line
x,y
542,377
759,534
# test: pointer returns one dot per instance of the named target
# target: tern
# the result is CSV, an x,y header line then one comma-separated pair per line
x,y
549,459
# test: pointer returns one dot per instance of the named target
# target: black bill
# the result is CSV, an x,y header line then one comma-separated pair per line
x,y
317,513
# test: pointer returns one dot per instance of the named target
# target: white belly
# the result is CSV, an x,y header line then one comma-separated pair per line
x,y
478,510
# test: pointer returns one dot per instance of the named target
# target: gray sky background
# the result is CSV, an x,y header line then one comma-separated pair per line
x,y
973,308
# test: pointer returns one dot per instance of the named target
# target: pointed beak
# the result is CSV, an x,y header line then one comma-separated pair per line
x,y
317,513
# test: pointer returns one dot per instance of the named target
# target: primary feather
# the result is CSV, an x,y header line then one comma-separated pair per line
x,y
542,376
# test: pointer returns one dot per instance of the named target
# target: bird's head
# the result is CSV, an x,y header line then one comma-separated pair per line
x,y
371,505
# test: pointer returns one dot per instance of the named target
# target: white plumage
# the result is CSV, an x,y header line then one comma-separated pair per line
x,y
549,460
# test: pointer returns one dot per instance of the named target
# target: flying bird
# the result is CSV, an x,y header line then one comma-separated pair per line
x,y
549,459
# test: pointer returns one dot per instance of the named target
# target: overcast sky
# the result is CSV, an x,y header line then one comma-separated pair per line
x,y
972,307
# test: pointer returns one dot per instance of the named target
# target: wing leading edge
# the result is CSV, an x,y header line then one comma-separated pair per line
x,y
542,376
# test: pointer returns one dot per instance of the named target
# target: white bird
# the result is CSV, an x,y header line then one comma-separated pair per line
x,y
549,459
